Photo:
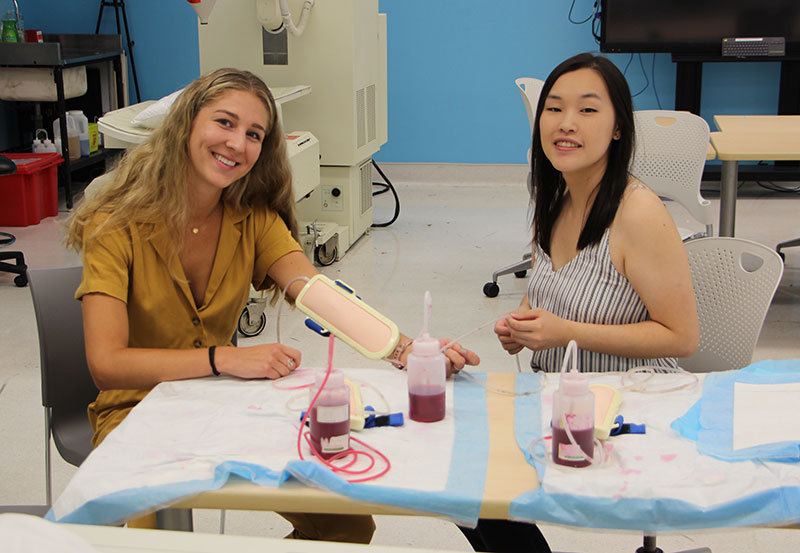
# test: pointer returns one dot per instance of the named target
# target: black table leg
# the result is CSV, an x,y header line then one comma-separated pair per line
x,y
65,169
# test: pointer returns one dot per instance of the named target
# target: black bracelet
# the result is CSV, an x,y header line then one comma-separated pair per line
x,y
211,360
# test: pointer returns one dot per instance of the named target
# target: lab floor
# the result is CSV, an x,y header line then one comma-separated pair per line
x,y
457,224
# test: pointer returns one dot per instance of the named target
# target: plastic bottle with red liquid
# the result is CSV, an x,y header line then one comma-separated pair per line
x,y
573,408
426,375
329,419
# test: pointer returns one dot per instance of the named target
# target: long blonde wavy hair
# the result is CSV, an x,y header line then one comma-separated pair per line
x,y
150,185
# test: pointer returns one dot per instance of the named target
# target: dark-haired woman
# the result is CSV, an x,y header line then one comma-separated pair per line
x,y
609,268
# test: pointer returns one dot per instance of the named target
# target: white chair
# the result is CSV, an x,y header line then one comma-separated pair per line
x,y
734,282
529,89
670,154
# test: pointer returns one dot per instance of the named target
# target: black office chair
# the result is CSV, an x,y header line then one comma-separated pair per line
x,y
8,167
67,385
787,244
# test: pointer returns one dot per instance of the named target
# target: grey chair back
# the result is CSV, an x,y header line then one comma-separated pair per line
x,y
671,150
67,386
734,282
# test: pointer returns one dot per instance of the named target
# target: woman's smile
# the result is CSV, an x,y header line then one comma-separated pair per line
x,y
226,139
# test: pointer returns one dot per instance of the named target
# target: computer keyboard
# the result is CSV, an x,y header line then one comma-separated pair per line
x,y
751,47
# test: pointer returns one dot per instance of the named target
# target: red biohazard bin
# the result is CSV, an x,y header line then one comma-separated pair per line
x,y
30,194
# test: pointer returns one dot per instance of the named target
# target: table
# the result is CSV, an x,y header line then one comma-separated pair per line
x,y
106,539
132,540
757,123
463,468
750,137
59,52
484,486
508,475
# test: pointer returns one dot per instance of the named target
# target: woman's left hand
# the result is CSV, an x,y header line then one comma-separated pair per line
x,y
538,329
456,356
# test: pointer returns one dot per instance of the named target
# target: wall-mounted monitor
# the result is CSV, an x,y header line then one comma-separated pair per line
x,y
696,27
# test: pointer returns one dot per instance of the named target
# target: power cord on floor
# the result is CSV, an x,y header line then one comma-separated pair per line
x,y
773,187
386,186
6,239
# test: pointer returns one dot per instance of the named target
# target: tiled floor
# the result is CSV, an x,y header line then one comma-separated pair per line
x,y
457,224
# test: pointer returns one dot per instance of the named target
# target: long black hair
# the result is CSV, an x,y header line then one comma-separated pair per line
x,y
548,185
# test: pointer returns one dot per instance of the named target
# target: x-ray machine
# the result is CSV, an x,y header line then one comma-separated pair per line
x,y
339,49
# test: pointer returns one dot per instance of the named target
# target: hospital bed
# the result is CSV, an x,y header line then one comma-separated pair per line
x,y
119,132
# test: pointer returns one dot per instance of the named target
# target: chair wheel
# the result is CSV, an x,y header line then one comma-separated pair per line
x,y
251,328
21,280
491,289
521,274
325,255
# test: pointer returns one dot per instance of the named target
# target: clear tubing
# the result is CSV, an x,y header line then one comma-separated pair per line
x,y
473,331
427,307
629,383
492,388
280,304
633,384
355,453
472,377
572,353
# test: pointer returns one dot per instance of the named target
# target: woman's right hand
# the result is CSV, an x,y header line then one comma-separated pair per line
x,y
504,336
266,361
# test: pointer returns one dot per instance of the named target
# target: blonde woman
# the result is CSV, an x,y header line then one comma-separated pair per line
x,y
171,245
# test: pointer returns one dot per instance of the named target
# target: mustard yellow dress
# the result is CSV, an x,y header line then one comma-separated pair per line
x,y
163,314
161,310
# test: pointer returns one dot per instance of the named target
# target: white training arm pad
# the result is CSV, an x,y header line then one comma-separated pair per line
x,y
336,307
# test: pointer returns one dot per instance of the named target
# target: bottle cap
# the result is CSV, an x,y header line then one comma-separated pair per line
x,y
573,383
425,346
335,380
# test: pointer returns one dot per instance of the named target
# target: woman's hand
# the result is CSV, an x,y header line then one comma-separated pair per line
x,y
115,366
265,361
504,336
536,329
456,356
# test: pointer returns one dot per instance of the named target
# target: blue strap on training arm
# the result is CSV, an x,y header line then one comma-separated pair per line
x,y
626,428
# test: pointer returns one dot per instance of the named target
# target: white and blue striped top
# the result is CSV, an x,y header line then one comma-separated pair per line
x,y
588,289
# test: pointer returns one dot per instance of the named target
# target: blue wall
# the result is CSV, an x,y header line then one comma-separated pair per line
x,y
452,65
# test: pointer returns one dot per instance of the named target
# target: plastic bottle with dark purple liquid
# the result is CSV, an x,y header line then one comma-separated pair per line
x,y
426,375
329,419
573,408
